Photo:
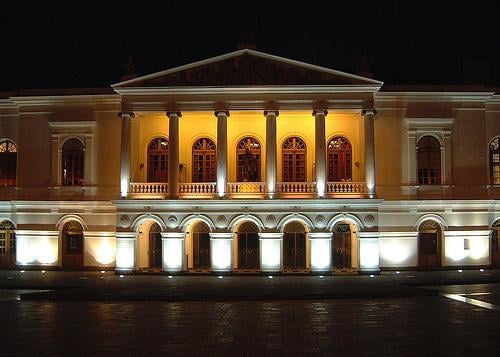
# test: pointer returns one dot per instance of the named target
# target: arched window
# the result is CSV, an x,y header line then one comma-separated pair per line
x,y
294,160
7,245
495,162
248,153
339,159
429,161
8,163
201,246
248,246
204,163
158,160
72,163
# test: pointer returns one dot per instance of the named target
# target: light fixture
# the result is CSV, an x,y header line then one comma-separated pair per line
x,y
481,270
220,277
22,271
102,271
397,272
270,276
321,276
170,277
371,275
121,276
459,270
43,271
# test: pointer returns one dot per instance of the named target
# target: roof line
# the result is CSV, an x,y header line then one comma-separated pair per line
x,y
239,53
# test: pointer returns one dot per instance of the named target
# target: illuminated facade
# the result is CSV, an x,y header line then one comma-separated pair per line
x,y
250,162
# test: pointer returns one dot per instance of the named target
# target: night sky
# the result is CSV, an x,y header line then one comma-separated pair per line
x,y
85,45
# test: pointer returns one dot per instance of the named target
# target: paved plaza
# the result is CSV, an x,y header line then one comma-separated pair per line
x,y
408,321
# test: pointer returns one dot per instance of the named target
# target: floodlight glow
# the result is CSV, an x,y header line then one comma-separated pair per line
x,y
477,252
121,276
270,254
320,245
221,252
22,271
124,187
43,271
102,271
371,275
173,254
220,277
459,270
270,276
170,277
368,254
481,270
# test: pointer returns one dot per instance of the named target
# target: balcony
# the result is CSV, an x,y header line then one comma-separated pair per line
x,y
246,190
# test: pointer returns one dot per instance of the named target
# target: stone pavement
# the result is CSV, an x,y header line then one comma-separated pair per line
x,y
108,287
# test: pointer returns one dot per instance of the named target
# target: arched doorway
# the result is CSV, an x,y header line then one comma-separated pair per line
x,y
158,160
8,163
495,244
248,156
429,244
294,247
344,235
248,246
7,245
200,235
72,246
294,160
149,247
429,161
339,159
204,161
155,246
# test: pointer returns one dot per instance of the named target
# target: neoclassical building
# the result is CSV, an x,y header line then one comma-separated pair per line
x,y
249,162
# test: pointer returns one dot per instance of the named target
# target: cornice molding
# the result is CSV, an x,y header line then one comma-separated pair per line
x,y
106,99
433,96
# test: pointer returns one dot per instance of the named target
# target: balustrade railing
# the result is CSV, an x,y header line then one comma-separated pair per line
x,y
245,187
149,187
296,187
200,188
345,187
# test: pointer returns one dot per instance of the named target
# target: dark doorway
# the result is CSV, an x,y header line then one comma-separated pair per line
x,y
201,246
7,245
248,246
155,246
429,245
495,244
342,245
294,247
72,246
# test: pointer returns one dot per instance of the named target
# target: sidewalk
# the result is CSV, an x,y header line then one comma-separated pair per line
x,y
110,287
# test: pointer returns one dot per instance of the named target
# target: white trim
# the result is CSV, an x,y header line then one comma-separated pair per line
x,y
246,218
186,221
295,217
433,217
70,217
136,223
251,52
344,217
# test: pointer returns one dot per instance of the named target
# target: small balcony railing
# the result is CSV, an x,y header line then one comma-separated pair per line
x,y
246,189
197,190
148,189
345,187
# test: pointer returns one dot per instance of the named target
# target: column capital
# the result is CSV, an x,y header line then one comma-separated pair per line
x,y
368,111
320,112
128,114
275,113
218,113
171,114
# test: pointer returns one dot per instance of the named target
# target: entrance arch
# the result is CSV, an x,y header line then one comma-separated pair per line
x,y
200,236
149,246
294,246
7,245
495,243
247,246
430,237
345,247
72,245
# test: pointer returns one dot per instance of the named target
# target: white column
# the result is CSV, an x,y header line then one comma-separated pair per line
x,y
221,152
221,251
321,251
270,251
173,154
271,155
125,153
125,250
37,248
320,151
369,126
56,161
369,256
173,257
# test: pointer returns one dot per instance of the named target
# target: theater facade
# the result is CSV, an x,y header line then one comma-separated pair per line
x,y
249,162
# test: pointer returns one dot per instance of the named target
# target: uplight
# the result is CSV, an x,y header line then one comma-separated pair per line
x,y
371,275
121,276
22,271
459,270
43,271
170,276
321,276
397,272
481,270
102,271
270,276
220,277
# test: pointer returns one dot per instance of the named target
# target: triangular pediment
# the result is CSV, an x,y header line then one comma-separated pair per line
x,y
247,68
